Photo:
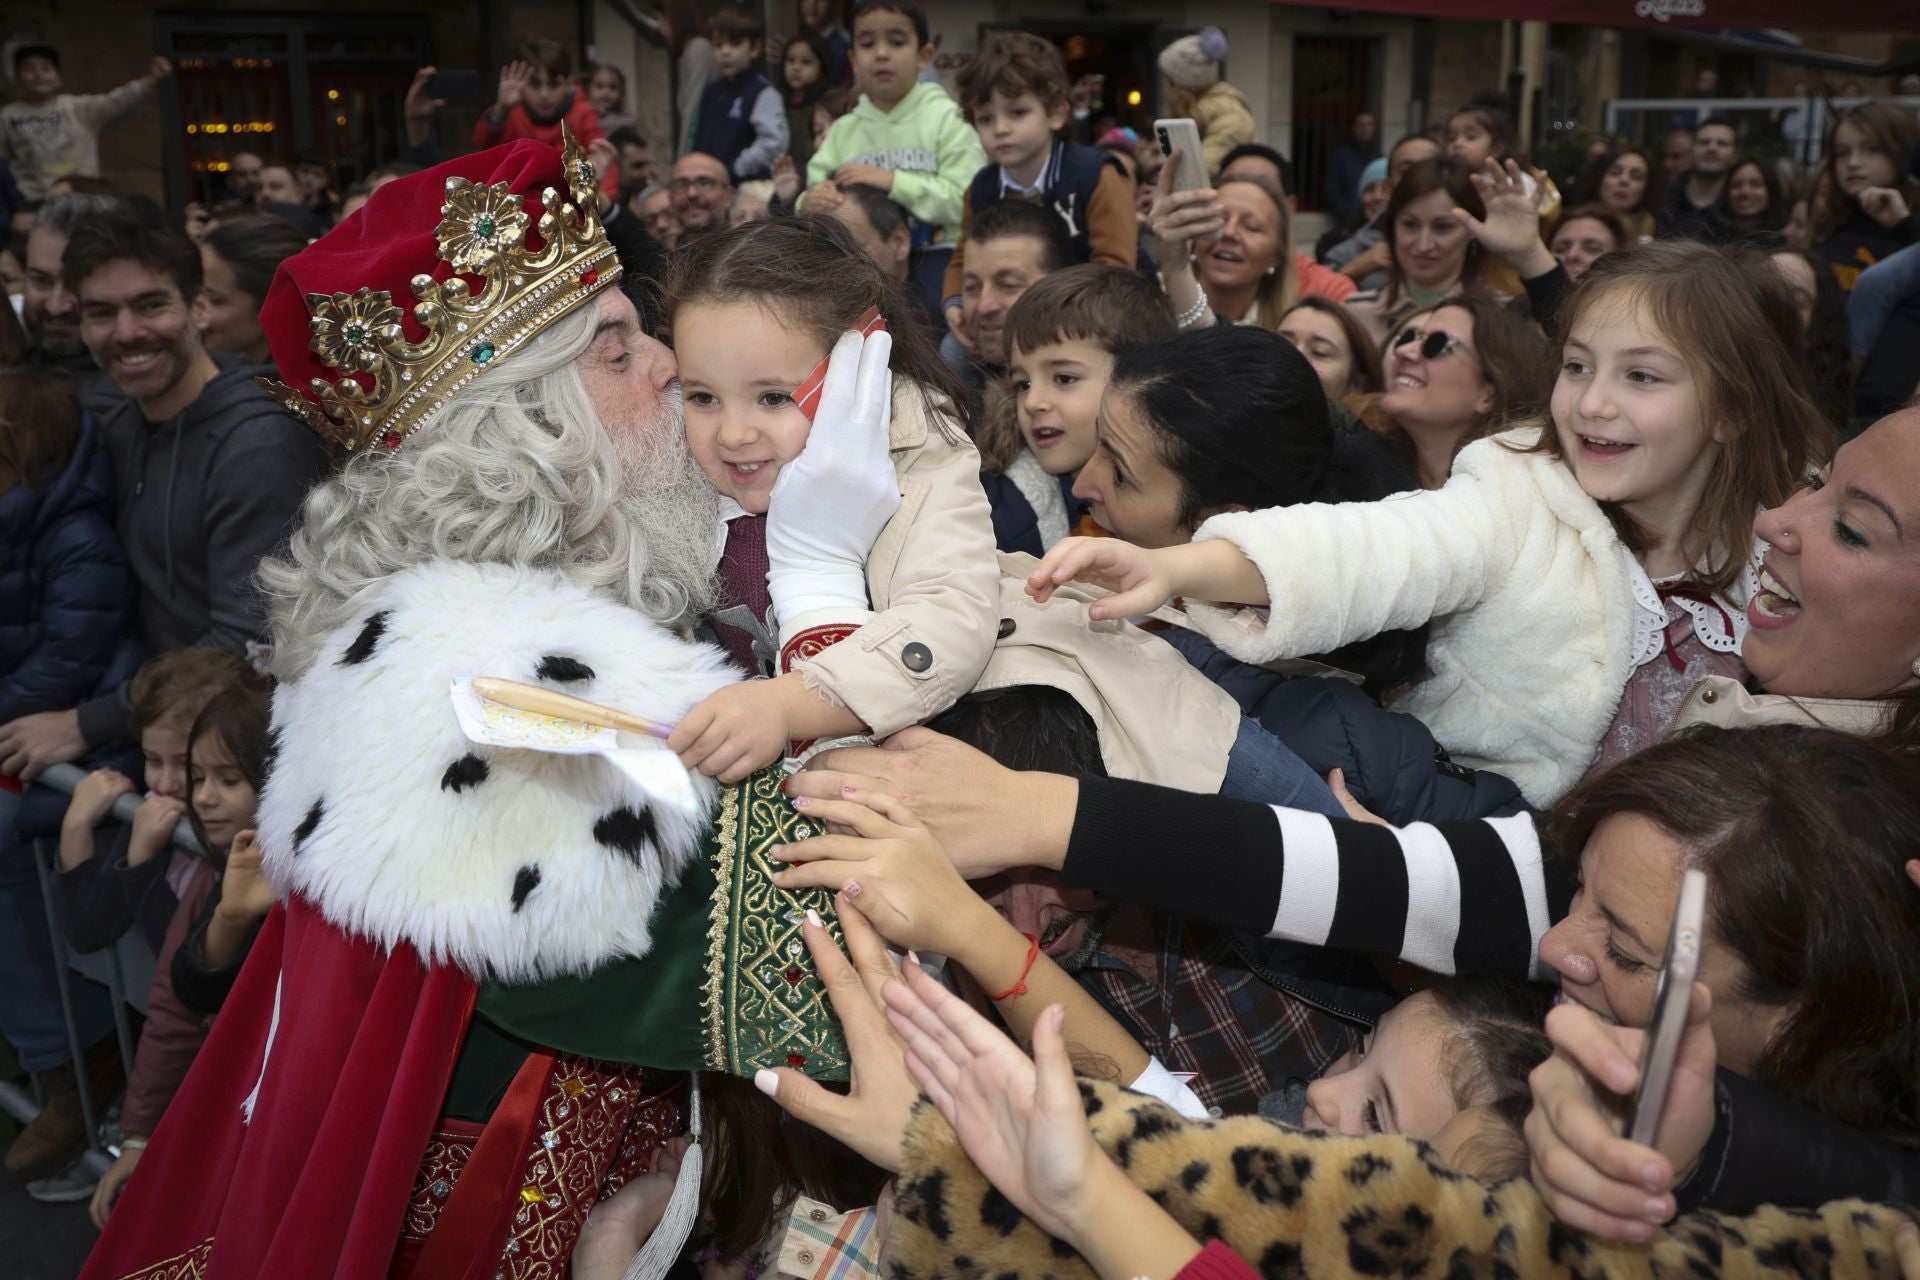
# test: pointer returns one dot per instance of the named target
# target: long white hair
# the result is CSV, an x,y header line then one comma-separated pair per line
x,y
518,470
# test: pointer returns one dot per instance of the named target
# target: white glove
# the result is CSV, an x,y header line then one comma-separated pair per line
x,y
830,503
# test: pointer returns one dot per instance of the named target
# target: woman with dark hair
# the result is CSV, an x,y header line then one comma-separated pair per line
x,y
1462,371
1754,203
1623,182
237,259
1583,234
1431,252
1341,352
1236,419
1873,209
1825,321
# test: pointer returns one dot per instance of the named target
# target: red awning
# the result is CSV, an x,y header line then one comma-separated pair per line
x,y
1794,15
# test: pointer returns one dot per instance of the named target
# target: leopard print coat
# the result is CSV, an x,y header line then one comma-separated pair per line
x,y
1297,1204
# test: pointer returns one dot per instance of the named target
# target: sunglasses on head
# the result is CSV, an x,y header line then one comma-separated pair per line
x,y
1433,344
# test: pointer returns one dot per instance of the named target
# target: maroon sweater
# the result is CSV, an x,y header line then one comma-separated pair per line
x,y
174,1033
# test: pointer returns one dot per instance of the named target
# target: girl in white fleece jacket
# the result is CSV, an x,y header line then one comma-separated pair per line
x,y
1563,565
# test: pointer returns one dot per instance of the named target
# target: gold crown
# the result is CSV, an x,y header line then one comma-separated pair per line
x,y
482,232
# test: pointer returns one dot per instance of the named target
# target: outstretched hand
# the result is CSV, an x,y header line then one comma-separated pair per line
x,y
1511,228
1137,576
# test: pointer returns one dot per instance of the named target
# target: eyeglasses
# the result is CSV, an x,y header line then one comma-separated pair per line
x,y
1432,345
705,182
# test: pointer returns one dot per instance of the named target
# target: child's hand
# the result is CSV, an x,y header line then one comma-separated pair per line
x,y
865,175
1885,206
617,1226
111,1183
513,86
824,197
153,824
246,895
786,179
734,730
957,326
1511,228
93,798
198,222
893,867
1134,574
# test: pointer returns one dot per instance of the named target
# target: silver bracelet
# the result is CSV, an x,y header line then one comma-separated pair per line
x,y
1191,316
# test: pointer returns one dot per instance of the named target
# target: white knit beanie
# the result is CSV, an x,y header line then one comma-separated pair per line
x,y
1193,62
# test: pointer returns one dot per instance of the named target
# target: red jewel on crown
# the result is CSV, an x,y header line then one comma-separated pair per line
x,y
793,974
390,440
589,278
798,1061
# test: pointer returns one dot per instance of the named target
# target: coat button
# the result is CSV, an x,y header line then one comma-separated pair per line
x,y
818,1215
806,1258
1006,627
1710,695
917,657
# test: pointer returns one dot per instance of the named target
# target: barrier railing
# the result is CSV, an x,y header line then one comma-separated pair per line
x,y
108,966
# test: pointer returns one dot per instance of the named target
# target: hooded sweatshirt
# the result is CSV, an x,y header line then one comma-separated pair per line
x,y
202,497
932,150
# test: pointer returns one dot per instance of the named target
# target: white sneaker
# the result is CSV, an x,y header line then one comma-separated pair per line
x,y
70,1185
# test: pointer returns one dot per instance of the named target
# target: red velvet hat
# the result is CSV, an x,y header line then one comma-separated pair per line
x,y
440,276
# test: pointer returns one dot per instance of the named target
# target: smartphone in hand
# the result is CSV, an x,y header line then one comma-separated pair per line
x,y
454,86
1190,174
1670,1000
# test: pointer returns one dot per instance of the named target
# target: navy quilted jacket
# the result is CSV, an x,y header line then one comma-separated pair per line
x,y
66,595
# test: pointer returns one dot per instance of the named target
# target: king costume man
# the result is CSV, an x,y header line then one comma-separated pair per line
x,y
495,971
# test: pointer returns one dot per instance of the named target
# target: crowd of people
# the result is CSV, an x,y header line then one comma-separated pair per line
x,y
1283,685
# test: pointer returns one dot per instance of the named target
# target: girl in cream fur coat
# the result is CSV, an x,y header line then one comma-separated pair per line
x,y
1579,574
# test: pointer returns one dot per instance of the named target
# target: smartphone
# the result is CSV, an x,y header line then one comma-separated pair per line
x,y
1671,997
454,86
1191,174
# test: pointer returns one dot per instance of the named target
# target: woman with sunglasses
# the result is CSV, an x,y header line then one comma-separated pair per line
x,y
1455,374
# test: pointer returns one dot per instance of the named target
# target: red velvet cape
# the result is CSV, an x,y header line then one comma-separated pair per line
x,y
316,1184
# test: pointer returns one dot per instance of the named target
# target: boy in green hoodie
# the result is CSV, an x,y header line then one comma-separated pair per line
x,y
905,137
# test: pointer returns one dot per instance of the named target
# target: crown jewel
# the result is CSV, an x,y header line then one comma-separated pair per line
x,y
389,385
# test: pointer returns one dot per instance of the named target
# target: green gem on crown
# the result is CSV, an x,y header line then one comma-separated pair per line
x,y
356,334
484,228
482,353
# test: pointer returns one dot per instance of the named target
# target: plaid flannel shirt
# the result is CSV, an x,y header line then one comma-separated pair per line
x,y
1205,1012
822,1243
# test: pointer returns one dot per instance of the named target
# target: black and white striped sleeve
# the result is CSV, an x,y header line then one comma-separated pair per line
x,y
1453,897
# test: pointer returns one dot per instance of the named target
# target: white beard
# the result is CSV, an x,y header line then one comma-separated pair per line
x,y
669,507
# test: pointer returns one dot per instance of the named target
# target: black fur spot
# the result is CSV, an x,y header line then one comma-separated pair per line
x,y
1389,1244
627,832
997,1211
1089,1100
1364,1166
563,670
1709,1246
1210,1228
525,881
309,824
468,771
1193,1175
1562,1242
1060,1248
269,755
1283,1261
1148,1123
363,644
1812,1256
1431,1159
1270,1177
924,1201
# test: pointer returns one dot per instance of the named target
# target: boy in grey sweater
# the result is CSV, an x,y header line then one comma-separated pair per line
x,y
48,135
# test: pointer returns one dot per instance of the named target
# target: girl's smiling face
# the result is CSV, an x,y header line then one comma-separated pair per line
x,y
739,366
222,797
606,90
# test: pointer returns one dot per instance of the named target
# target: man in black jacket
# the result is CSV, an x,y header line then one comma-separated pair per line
x,y
209,471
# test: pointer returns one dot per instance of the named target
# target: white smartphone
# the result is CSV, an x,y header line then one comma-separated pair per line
x,y
1183,135
1670,1000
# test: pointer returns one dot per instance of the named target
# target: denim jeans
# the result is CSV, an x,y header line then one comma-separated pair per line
x,y
29,1002
1261,767
1880,288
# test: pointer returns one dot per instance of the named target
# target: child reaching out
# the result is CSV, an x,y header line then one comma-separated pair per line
x,y
1578,574
754,310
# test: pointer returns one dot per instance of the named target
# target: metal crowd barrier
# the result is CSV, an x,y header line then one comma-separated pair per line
x,y
109,967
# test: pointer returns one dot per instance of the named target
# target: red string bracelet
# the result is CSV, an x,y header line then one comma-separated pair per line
x,y
1019,988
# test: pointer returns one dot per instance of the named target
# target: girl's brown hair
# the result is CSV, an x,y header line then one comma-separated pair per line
x,y
1423,179
811,273
1277,290
1728,314
1890,129
240,717
1367,377
1827,939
